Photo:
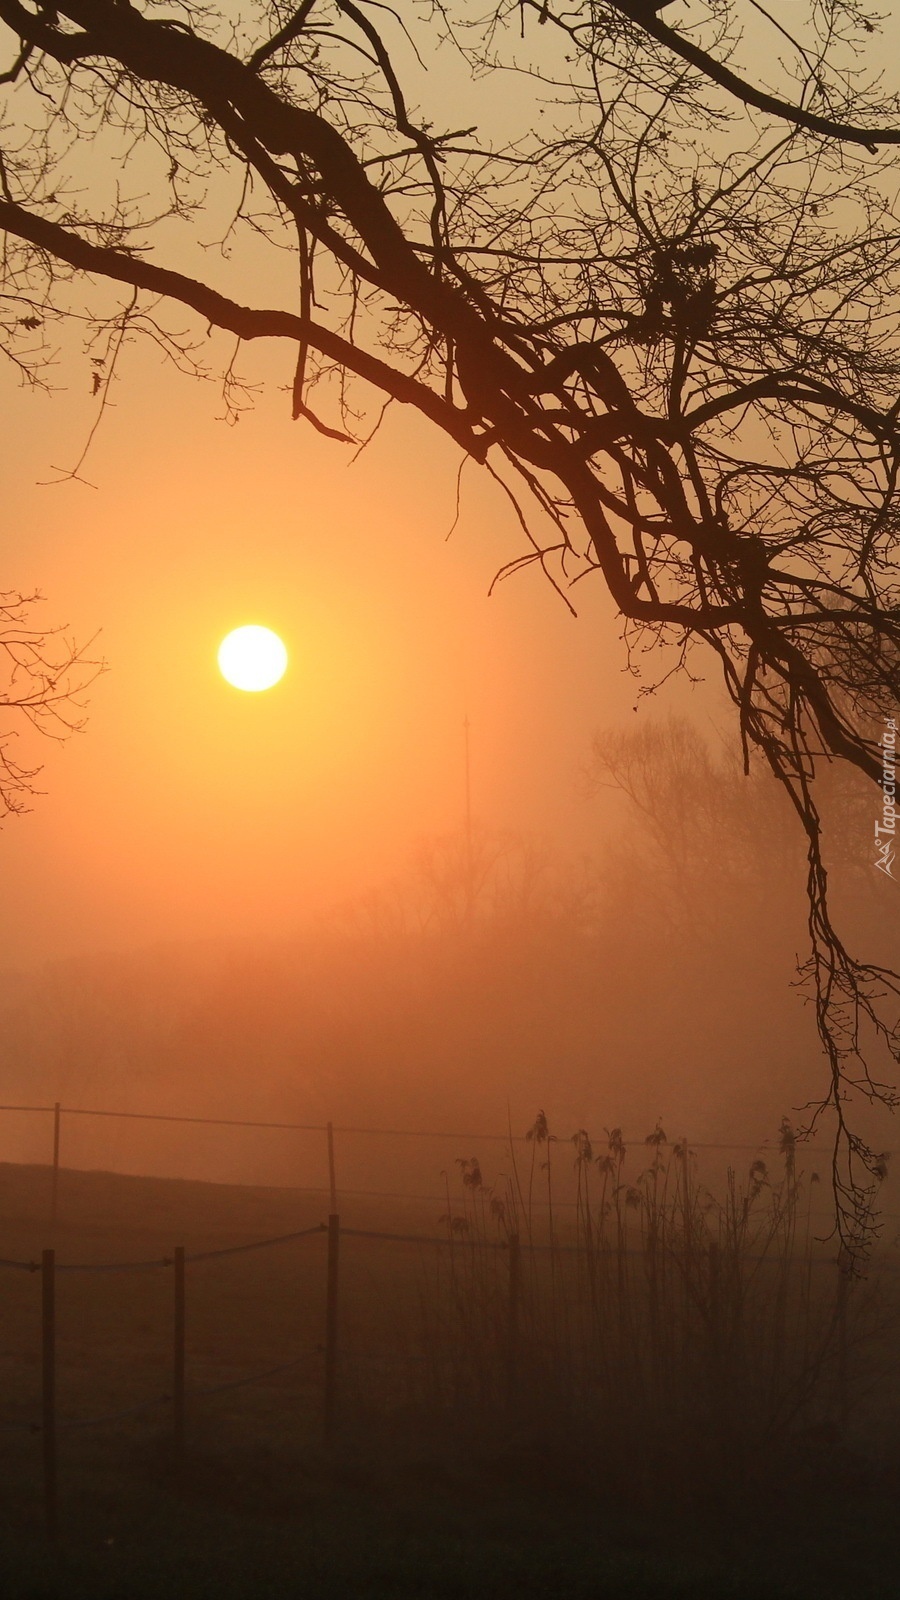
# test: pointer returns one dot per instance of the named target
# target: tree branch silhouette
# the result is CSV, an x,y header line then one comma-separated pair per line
x,y
43,676
669,320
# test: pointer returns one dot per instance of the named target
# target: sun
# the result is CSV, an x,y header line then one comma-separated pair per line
x,y
252,658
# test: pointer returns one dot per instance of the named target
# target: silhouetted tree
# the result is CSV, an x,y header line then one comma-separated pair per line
x,y
711,824
477,882
660,311
43,675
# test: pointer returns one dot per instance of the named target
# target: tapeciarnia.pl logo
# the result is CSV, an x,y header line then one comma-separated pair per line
x,y
886,829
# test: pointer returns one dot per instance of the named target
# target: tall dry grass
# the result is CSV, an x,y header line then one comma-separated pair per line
x,y
655,1329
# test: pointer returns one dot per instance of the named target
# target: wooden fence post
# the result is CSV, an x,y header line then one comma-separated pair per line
x,y
54,1180
687,1341
48,1387
331,1323
843,1371
716,1341
178,1357
332,1182
686,1198
512,1322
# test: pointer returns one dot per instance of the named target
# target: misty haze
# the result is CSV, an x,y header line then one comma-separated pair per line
x,y
449,680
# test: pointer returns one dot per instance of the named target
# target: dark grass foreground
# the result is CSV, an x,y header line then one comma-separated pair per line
x,y
693,1405
436,1531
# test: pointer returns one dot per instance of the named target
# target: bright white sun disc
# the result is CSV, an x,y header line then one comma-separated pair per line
x,y
252,658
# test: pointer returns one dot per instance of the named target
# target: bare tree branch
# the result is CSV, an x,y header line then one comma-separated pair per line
x,y
674,322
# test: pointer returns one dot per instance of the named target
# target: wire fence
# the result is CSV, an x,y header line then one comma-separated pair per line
x,y
338,1128
330,1132
50,1425
50,1268
179,1394
504,1291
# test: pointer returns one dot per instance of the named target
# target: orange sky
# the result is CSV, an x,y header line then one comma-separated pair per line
x,y
187,809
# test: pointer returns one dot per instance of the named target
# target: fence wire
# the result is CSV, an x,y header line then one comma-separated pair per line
x,y
163,1399
199,1393
254,1377
258,1244
166,1261
457,1241
323,1127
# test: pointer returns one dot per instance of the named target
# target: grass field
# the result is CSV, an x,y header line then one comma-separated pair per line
x,y
606,1471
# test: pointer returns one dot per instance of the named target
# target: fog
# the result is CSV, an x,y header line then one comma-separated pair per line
x,y
259,907
494,976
